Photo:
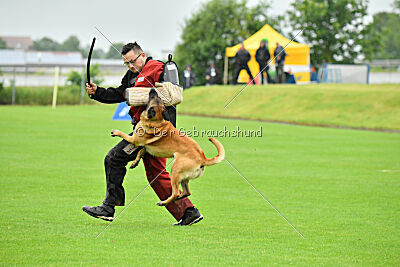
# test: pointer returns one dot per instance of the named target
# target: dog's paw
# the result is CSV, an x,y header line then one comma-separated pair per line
x,y
114,133
160,203
134,165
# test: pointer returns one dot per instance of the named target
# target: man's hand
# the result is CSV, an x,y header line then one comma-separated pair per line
x,y
159,86
91,89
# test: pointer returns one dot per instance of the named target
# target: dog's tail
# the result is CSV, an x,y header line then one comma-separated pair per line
x,y
219,157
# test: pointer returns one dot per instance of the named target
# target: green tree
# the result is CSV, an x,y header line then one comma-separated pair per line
x,y
70,44
3,44
45,44
97,52
396,5
112,53
335,30
388,26
96,76
215,26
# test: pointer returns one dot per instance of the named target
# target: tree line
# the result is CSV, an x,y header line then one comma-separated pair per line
x,y
71,44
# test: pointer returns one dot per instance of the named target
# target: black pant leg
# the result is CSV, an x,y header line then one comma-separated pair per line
x,y
264,68
238,69
279,73
246,67
114,164
268,76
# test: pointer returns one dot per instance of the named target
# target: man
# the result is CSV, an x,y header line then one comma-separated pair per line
x,y
212,74
241,58
143,72
262,57
279,55
188,77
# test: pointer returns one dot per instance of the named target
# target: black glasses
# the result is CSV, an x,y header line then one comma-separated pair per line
x,y
133,61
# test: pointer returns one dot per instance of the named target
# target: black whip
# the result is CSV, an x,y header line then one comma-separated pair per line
x,y
88,63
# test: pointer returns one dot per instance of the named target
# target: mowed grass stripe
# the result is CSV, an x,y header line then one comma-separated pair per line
x,y
350,105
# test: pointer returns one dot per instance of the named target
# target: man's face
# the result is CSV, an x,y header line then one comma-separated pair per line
x,y
135,62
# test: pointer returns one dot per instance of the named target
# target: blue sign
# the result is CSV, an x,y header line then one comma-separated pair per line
x,y
122,113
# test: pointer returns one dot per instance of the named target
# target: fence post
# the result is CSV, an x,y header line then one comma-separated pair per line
x,y
57,70
83,86
226,66
13,90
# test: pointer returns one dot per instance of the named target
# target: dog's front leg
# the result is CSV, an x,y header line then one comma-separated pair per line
x,y
129,138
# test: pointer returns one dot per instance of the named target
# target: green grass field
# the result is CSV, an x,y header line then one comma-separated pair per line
x,y
374,106
328,182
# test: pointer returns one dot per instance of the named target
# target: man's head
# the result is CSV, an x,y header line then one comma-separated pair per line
x,y
134,57
242,46
264,42
277,44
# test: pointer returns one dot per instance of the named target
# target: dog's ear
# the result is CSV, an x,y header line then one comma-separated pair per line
x,y
165,115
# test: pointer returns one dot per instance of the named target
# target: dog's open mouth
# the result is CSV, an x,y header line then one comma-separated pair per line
x,y
151,113
154,105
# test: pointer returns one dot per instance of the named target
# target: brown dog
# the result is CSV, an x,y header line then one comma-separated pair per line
x,y
161,139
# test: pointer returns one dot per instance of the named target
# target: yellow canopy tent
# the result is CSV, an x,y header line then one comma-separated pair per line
x,y
297,59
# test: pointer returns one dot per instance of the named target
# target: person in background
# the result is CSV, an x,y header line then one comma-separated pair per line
x,y
279,55
212,74
262,57
290,77
188,77
314,76
241,58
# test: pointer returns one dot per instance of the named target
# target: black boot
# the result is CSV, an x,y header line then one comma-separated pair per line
x,y
191,216
103,211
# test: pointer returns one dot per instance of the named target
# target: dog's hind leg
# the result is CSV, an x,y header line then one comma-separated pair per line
x,y
175,190
138,157
185,188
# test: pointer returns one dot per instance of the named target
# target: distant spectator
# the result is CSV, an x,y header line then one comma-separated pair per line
x,y
212,74
241,58
262,57
314,76
290,77
188,77
279,55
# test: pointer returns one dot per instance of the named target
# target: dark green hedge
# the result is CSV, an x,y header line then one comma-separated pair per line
x,y
42,95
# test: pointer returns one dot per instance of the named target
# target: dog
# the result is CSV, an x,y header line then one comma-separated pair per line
x,y
160,138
